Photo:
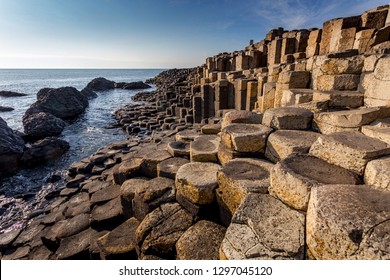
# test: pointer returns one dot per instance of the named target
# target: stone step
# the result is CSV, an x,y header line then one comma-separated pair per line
x,y
238,178
288,118
169,167
338,82
340,99
179,148
263,228
350,150
239,116
293,178
348,222
380,133
293,97
205,149
347,120
283,143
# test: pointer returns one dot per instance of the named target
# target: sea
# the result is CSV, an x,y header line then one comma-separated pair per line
x,y
24,194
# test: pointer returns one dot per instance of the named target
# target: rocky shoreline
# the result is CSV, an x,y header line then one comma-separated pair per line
x,y
281,151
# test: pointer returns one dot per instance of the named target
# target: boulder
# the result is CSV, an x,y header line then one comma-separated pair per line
x,y
42,125
11,149
132,85
293,178
283,143
65,102
88,93
377,173
197,181
44,151
348,222
201,242
350,150
264,228
100,84
239,177
288,118
158,233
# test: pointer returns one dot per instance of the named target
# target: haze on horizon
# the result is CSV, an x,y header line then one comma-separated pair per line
x,y
148,33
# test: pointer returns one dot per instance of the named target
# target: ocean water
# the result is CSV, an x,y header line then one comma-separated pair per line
x,y
24,192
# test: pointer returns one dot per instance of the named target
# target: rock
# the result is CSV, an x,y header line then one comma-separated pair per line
x,y
293,178
350,150
288,118
380,133
241,117
127,190
120,242
40,253
6,109
340,99
179,149
201,242
127,170
187,135
159,231
150,161
205,149
4,93
65,102
169,167
211,129
239,177
151,194
44,151
283,143
264,228
245,138
7,238
100,84
106,194
88,93
348,222
377,173
11,149
109,214
77,205
338,82
42,125
75,247
132,85
18,254
197,181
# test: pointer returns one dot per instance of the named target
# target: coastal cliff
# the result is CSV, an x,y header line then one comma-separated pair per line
x,y
279,151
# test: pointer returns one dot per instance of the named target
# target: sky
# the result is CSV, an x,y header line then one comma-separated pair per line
x,y
148,33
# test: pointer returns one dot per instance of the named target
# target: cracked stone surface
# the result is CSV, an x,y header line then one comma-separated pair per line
x,y
349,222
263,228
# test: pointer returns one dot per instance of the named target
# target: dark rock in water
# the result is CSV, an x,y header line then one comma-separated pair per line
x,y
6,109
88,93
11,94
41,125
132,85
11,149
65,102
100,84
44,151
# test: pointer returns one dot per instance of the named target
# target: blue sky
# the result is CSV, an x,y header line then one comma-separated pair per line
x,y
148,33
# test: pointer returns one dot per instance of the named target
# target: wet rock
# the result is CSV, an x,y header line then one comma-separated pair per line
x,y
121,242
288,118
348,222
169,167
88,93
44,151
200,242
239,177
350,150
4,93
11,149
158,233
283,143
100,84
197,181
264,228
6,109
293,178
41,125
132,85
